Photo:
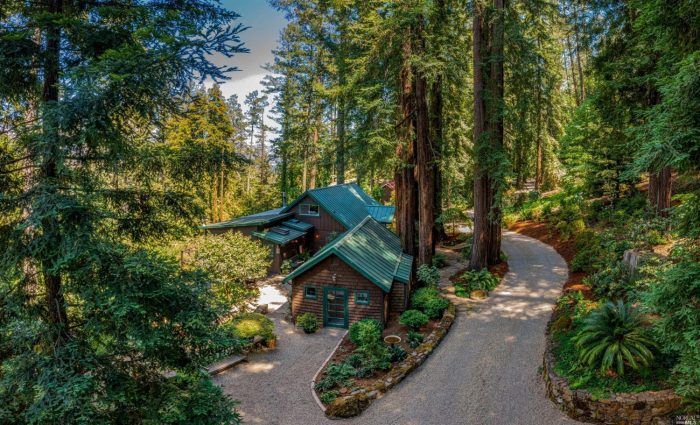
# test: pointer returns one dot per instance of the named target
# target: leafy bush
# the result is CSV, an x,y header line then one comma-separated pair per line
x,y
439,260
231,261
336,374
249,325
472,280
328,397
422,296
308,322
286,267
434,307
568,218
610,282
365,331
614,336
397,353
429,275
414,339
674,298
376,356
414,319
355,360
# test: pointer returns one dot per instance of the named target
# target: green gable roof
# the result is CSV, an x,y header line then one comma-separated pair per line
x,y
382,213
259,219
347,203
369,248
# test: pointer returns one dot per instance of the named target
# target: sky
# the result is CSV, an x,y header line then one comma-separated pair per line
x,y
265,25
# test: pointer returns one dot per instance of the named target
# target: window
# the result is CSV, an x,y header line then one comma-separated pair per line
x,y
362,297
308,209
309,292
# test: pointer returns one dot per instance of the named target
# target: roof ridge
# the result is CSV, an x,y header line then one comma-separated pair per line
x,y
351,232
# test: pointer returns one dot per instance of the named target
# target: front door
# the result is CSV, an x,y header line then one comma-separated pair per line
x,y
335,307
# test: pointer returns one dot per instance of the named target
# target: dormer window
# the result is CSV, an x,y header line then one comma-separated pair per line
x,y
309,209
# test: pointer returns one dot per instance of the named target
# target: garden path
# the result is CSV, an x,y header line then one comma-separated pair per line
x,y
484,372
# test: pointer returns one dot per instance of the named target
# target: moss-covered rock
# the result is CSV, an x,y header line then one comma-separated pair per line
x,y
347,407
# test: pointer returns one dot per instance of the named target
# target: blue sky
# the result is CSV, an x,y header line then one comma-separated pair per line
x,y
265,25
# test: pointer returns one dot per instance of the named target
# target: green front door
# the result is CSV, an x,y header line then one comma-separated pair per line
x,y
335,307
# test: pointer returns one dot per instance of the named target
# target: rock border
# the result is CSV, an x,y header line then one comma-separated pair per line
x,y
355,403
644,408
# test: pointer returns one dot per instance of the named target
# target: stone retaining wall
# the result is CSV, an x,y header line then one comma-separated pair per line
x,y
357,401
645,408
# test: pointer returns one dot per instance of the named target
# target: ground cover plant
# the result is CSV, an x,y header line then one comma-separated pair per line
x,y
471,281
363,358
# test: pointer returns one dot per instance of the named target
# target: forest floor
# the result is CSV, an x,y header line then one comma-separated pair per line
x,y
484,372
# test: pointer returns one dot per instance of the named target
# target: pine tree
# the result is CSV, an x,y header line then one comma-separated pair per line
x,y
101,325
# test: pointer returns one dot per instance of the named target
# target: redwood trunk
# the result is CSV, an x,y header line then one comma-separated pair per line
x,y
406,188
481,236
660,185
424,165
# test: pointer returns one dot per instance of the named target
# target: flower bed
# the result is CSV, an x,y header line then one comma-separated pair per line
x,y
356,394
646,407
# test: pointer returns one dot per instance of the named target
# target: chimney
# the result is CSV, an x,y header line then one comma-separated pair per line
x,y
284,199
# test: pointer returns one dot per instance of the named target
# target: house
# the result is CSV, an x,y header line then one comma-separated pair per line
x,y
306,225
361,274
358,270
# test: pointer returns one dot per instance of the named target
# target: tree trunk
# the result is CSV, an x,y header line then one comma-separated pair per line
x,y
437,136
577,42
495,120
425,174
573,70
660,185
481,235
488,133
406,193
538,111
55,301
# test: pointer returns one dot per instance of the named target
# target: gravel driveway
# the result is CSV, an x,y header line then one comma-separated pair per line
x,y
485,371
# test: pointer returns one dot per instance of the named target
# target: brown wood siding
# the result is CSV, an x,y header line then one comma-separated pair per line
x,y
346,277
324,224
397,297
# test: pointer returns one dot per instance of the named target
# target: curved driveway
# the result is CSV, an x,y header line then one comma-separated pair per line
x,y
485,371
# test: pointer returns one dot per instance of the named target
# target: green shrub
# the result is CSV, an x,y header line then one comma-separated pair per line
x,y
429,275
397,353
376,356
414,339
422,296
610,282
286,267
472,280
439,260
308,322
336,374
355,360
414,319
434,307
365,331
613,336
674,298
249,325
328,397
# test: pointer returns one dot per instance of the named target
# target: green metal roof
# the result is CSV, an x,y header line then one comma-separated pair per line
x,y
279,235
345,202
297,225
371,249
381,213
259,219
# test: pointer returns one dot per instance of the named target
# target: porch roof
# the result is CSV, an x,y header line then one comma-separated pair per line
x,y
279,235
